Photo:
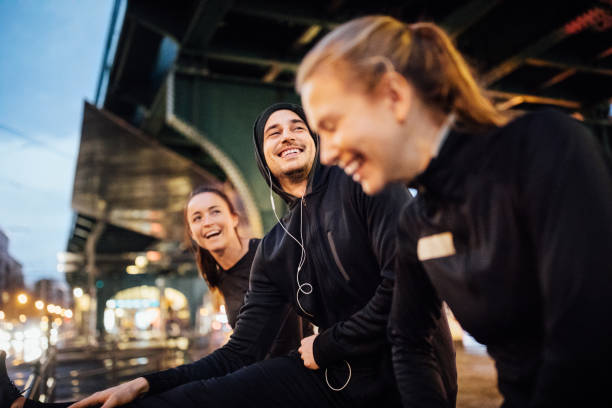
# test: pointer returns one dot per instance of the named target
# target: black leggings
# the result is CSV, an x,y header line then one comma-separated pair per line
x,y
279,382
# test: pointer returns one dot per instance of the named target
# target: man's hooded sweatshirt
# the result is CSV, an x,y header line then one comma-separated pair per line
x,y
344,287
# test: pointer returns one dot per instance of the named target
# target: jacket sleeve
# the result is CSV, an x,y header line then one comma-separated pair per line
x,y
365,331
423,354
565,196
258,323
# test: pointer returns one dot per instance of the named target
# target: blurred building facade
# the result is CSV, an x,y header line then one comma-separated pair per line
x,y
53,291
11,274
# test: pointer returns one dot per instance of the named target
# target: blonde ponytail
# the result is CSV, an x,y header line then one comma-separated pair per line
x,y
422,52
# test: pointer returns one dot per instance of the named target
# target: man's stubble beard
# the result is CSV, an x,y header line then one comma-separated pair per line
x,y
297,175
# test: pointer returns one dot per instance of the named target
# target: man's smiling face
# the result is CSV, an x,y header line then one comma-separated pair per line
x,y
288,147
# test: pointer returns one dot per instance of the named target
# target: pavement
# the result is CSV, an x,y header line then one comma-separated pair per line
x,y
477,379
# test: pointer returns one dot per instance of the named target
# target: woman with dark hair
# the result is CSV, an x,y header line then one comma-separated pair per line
x,y
222,256
512,225
224,259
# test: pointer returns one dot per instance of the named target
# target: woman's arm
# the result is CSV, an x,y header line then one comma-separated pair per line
x,y
566,199
423,355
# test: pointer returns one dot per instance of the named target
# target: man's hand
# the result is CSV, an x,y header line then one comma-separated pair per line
x,y
305,351
115,396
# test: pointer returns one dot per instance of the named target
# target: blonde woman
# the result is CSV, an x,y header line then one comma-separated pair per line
x,y
512,225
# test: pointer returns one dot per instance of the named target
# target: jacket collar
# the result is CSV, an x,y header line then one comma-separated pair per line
x,y
446,171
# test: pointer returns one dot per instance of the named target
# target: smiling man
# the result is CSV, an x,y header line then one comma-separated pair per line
x,y
290,159
333,254
331,257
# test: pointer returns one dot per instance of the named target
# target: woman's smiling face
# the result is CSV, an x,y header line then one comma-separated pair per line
x,y
363,133
211,222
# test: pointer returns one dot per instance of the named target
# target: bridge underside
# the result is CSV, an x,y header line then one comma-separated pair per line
x,y
182,83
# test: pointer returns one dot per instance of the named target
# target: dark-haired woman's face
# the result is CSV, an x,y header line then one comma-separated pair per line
x,y
211,223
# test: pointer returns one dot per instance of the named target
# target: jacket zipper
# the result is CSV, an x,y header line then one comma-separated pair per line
x,y
336,257
304,244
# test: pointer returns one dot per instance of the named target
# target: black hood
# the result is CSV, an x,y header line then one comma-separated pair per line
x,y
258,133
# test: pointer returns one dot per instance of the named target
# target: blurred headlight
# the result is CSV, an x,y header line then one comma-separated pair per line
x,y
33,333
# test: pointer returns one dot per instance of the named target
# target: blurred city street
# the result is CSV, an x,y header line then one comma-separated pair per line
x,y
78,369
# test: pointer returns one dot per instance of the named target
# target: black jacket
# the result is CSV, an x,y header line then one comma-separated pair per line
x,y
233,284
514,230
349,240
350,301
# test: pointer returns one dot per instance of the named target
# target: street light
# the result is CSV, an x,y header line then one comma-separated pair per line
x,y
40,305
153,256
22,298
77,292
132,270
141,261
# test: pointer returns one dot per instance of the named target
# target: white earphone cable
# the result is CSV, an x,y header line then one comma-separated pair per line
x,y
304,288
350,373
301,286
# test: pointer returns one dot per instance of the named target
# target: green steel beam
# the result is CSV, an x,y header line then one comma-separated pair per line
x,y
518,98
511,64
467,15
536,62
538,47
284,15
205,73
243,58
208,16
219,114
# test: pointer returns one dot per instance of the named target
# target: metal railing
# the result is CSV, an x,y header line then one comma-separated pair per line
x,y
41,383
116,362
119,364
